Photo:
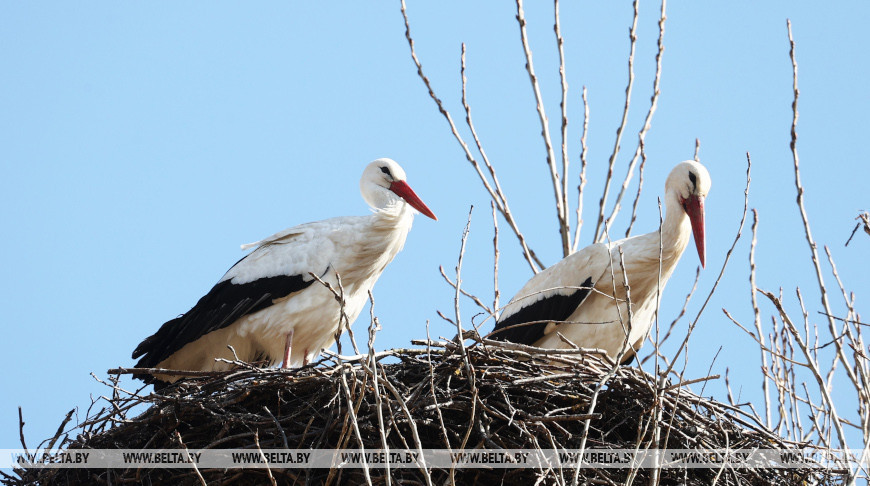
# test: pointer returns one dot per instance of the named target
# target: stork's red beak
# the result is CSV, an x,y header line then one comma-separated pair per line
x,y
403,190
694,207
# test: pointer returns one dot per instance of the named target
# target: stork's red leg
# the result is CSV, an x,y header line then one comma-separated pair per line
x,y
287,345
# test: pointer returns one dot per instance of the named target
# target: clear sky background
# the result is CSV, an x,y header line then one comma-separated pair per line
x,y
142,143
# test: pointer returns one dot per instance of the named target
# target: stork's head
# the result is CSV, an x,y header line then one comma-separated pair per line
x,y
383,184
690,182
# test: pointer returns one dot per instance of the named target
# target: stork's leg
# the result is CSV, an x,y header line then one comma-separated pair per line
x,y
287,345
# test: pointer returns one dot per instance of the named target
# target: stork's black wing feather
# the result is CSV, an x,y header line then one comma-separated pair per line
x,y
555,307
224,304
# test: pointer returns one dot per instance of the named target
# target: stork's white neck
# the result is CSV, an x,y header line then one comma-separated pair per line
x,y
380,198
676,228
384,237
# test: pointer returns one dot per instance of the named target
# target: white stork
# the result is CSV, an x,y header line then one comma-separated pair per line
x,y
268,306
583,297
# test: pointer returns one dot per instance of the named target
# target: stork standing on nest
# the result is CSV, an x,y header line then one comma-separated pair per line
x,y
584,300
268,306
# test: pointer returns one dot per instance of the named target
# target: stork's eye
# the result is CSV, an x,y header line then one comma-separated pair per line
x,y
386,170
694,180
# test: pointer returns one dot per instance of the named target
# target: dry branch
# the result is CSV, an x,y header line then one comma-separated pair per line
x,y
863,219
641,137
602,203
496,193
561,208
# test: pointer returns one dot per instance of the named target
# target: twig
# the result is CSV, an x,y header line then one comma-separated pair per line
x,y
757,313
639,190
432,389
632,34
495,291
495,194
864,218
561,209
800,203
563,418
401,401
829,402
532,350
764,348
352,415
836,274
471,296
196,469
682,313
647,121
372,364
564,105
21,430
582,184
469,369
60,430
656,416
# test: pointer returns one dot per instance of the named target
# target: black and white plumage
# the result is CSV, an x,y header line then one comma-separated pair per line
x,y
583,297
268,306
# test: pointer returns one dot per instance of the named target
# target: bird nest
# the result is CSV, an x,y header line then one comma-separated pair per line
x,y
439,395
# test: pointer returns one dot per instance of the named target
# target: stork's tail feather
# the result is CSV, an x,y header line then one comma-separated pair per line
x,y
149,351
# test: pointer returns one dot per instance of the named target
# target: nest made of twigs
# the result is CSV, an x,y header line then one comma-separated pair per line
x,y
433,397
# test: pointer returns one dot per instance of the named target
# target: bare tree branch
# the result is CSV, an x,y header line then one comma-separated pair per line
x,y
583,151
823,389
495,291
496,194
864,218
561,209
639,190
632,34
754,299
567,249
800,203
654,99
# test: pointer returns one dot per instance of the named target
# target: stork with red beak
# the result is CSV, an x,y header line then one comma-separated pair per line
x,y
268,306
585,301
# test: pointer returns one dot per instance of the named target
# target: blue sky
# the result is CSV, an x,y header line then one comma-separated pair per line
x,y
142,143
